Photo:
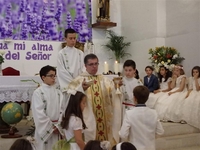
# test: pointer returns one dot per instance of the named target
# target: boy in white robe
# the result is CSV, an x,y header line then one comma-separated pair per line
x,y
129,83
45,106
141,123
70,60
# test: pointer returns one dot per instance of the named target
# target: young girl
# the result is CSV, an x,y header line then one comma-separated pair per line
x,y
169,105
22,144
73,123
164,76
124,146
191,111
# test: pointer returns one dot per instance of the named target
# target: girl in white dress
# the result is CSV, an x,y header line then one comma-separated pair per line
x,y
73,124
191,107
164,76
169,105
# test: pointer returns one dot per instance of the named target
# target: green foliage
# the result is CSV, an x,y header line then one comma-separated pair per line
x,y
117,45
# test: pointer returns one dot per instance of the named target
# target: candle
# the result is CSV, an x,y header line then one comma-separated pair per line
x,y
116,67
105,67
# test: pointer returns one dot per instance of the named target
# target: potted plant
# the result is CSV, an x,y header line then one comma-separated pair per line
x,y
117,45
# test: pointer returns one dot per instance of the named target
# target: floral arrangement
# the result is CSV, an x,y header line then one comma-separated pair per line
x,y
1,57
165,56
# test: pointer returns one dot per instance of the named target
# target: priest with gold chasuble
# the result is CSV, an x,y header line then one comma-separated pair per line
x,y
102,114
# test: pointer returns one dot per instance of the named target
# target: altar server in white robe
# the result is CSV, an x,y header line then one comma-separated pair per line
x,y
46,101
141,123
191,106
129,83
102,114
165,79
70,60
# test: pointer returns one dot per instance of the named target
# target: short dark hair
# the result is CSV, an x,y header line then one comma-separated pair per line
x,y
90,56
141,93
125,146
22,144
93,144
150,67
67,31
195,68
129,63
44,70
73,108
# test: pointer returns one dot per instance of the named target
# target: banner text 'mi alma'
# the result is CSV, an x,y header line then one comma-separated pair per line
x,y
36,52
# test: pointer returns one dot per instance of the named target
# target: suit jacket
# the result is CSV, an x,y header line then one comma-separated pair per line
x,y
153,83
140,125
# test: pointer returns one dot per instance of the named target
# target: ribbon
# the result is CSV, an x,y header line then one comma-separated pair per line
x,y
64,144
118,146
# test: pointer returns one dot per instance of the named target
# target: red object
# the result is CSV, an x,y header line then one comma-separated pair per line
x,y
127,104
9,71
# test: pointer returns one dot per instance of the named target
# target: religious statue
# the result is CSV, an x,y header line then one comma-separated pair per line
x,y
103,10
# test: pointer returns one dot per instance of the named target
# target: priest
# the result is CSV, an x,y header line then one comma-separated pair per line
x,y
102,114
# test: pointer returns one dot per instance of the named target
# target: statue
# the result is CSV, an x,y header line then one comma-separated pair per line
x,y
103,10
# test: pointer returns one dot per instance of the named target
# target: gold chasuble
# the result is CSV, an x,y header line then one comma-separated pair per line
x,y
102,114
98,109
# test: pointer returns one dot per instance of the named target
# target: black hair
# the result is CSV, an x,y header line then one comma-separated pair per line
x,y
150,67
90,56
44,70
167,76
21,144
73,108
196,68
129,63
67,31
125,146
93,145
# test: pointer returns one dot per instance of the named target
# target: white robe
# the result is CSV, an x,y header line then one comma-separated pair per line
x,y
111,103
191,106
140,125
70,64
45,106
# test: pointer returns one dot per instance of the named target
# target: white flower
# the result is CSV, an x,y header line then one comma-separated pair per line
x,y
175,56
155,61
159,64
2,53
162,62
158,54
168,60
171,67
166,66
105,145
156,68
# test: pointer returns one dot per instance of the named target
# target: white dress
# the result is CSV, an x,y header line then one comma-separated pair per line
x,y
191,107
151,102
169,107
75,123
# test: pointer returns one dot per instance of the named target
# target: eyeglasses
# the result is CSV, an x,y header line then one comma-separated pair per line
x,y
51,75
93,64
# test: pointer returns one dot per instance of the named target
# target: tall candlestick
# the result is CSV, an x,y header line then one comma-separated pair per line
x,y
116,67
105,67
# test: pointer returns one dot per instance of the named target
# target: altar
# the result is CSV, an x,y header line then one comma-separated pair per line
x,y
17,88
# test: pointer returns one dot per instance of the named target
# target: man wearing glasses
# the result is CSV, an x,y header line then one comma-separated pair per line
x,y
102,103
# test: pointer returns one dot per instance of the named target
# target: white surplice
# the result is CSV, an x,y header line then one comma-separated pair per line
x,y
110,106
140,125
70,64
151,102
191,106
45,104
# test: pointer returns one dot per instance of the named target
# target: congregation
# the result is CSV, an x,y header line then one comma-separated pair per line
x,y
87,113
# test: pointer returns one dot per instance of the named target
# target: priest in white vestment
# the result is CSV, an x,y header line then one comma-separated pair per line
x,y
102,114
45,104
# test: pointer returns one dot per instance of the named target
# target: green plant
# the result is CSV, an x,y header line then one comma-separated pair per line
x,y
117,45
1,56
